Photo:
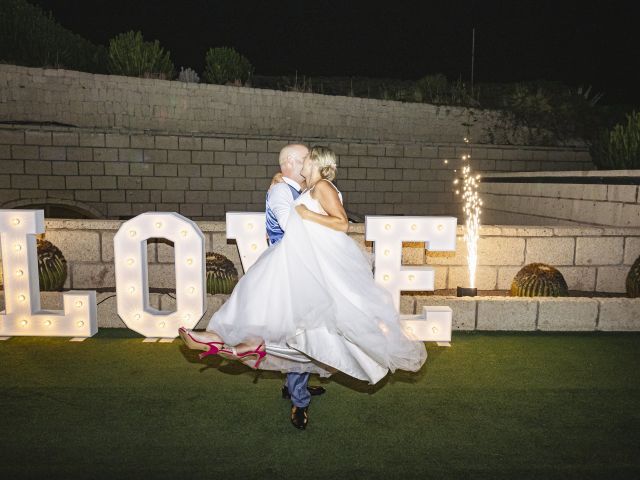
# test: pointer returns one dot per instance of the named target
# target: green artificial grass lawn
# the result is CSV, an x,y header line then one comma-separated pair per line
x,y
493,405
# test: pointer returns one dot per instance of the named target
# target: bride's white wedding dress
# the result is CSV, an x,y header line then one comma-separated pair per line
x,y
313,300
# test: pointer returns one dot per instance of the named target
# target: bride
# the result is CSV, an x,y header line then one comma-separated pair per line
x,y
310,303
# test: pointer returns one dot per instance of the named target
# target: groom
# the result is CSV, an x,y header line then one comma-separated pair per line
x,y
280,198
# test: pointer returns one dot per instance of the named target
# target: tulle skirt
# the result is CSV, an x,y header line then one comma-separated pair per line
x,y
313,300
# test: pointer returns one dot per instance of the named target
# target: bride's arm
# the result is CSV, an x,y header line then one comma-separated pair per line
x,y
336,217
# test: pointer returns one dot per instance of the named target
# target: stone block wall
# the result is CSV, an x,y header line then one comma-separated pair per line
x,y
610,203
567,314
116,174
109,101
108,146
591,259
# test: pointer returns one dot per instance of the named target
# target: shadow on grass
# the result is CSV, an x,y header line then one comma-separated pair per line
x,y
238,368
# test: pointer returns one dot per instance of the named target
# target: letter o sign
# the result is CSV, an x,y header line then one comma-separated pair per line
x,y
132,285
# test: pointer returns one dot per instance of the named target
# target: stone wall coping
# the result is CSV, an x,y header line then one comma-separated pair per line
x,y
571,173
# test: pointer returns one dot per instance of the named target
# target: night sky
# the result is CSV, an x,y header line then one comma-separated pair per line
x,y
578,42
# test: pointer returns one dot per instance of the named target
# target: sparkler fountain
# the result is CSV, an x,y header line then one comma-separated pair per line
x,y
472,211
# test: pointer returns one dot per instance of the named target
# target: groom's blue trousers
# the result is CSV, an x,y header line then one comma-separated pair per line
x,y
297,385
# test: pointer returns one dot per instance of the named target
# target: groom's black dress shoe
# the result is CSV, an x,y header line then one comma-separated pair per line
x,y
299,417
314,391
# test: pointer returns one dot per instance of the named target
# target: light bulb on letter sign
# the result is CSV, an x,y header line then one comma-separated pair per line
x,y
23,315
388,233
132,284
250,233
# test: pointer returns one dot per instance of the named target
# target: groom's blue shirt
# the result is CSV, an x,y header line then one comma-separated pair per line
x,y
274,229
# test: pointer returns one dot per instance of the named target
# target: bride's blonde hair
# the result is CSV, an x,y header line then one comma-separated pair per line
x,y
325,160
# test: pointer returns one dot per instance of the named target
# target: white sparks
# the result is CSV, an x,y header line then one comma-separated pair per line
x,y
472,212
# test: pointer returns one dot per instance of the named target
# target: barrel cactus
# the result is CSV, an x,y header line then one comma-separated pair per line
x,y
539,280
633,280
52,266
222,275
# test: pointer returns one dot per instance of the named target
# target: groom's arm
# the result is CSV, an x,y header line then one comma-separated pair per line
x,y
280,202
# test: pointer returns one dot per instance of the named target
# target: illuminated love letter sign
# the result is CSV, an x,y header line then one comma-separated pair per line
x,y
250,232
132,285
388,233
22,315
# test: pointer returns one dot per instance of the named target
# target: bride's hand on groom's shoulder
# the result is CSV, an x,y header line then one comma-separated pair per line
x,y
277,178
302,210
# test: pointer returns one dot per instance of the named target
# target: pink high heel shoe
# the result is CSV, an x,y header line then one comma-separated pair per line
x,y
210,348
256,355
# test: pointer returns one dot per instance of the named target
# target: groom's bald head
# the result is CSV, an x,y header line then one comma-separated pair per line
x,y
291,159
